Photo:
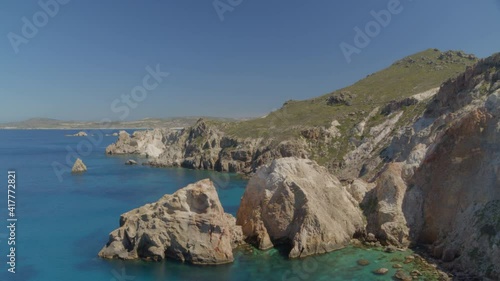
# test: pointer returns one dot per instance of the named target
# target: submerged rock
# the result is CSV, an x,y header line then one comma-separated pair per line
x,y
363,262
131,162
381,271
189,225
390,249
79,167
297,203
401,275
415,273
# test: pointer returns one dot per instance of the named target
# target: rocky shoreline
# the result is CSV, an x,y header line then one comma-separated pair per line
x,y
434,184
203,147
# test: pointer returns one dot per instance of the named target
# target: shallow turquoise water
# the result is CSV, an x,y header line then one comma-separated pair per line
x,y
62,225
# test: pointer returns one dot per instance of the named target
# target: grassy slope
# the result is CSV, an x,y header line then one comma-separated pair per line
x,y
414,74
402,79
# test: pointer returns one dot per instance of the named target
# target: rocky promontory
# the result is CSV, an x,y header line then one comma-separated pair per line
x,y
189,225
297,203
204,146
147,143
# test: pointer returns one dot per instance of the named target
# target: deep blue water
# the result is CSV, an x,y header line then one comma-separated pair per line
x,y
64,222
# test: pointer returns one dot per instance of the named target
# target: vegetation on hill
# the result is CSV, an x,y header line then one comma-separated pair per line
x,y
349,106
412,75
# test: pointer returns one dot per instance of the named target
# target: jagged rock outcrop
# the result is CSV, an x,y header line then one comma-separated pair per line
x,y
386,218
344,97
362,156
79,167
189,225
147,143
394,106
322,134
297,203
205,147
359,188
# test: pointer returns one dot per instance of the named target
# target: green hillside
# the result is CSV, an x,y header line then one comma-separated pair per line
x,y
411,75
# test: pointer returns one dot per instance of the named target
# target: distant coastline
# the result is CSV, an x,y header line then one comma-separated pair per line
x,y
79,128
143,124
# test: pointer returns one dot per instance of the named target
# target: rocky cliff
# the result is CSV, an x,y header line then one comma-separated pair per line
x,y
189,225
344,131
148,143
424,166
441,184
204,146
298,204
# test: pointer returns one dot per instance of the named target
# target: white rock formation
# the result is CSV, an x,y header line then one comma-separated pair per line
x,y
148,143
189,225
298,203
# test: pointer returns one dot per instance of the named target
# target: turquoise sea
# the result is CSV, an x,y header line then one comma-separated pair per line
x,y
64,222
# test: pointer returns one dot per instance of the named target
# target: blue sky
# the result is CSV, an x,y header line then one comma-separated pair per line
x,y
261,54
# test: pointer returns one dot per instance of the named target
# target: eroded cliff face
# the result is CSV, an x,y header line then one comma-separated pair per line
x,y
205,147
459,182
442,185
298,204
147,143
189,225
383,207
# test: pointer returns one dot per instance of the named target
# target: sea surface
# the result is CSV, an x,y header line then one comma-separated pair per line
x,y
63,221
